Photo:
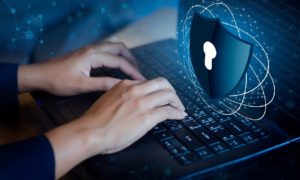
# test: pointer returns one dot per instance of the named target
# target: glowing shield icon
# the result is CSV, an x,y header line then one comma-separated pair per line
x,y
218,57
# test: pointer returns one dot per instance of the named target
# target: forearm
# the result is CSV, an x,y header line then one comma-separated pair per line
x,y
72,143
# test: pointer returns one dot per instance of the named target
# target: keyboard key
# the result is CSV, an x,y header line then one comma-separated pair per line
x,y
248,137
187,159
163,135
193,124
187,118
205,136
261,134
245,121
204,153
224,134
188,139
175,147
184,160
219,147
158,128
234,143
223,118
253,127
213,126
206,120
173,125
235,127
168,144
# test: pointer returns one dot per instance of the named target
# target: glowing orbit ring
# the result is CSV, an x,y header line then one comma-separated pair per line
x,y
191,76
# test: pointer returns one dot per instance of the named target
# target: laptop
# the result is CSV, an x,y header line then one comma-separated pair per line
x,y
204,142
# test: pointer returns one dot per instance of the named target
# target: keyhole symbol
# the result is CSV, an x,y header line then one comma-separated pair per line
x,y
210,53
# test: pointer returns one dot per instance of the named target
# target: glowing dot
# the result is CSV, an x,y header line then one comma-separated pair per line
x,y
13,11
29,35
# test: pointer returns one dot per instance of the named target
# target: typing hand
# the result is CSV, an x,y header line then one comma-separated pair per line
x,y
70,74
119,118
129,110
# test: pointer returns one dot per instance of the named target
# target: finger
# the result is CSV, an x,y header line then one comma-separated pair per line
x,y
118,48
163,113
113,61
155,85
99,83
162,98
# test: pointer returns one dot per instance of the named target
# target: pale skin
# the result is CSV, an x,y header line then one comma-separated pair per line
x,y
125,113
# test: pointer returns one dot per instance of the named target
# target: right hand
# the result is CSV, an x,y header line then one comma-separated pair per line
x,y
129,110
119,118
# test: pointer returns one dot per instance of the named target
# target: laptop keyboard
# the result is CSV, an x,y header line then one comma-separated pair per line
x,y
203,133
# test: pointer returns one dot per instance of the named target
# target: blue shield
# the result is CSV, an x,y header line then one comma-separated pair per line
x,y
218,57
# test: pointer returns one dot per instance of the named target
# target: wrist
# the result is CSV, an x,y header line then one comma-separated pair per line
x,y
30,78
72,143
91,136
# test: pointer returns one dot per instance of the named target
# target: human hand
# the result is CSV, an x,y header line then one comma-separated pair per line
x,y
119,118
129,110
70,74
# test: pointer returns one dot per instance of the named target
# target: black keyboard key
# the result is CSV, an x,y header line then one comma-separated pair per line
x,y
261,134
192,124
163,135
184,160
248,137
204,153
205,136
253,127
168,144
206,120
187,159
224,134
173,125
213,126
175,147
187,118
234,143
219,147
245,121
235,127
223,118
188,139
158,128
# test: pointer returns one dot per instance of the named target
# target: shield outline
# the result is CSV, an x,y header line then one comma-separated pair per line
x,y
195,28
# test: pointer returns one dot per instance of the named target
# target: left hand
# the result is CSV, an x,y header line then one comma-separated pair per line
x,y
70,74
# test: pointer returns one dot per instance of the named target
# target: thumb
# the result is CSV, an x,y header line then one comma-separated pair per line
x,y
100,83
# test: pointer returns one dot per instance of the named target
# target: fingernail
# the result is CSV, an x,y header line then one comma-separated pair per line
x,y
184,114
